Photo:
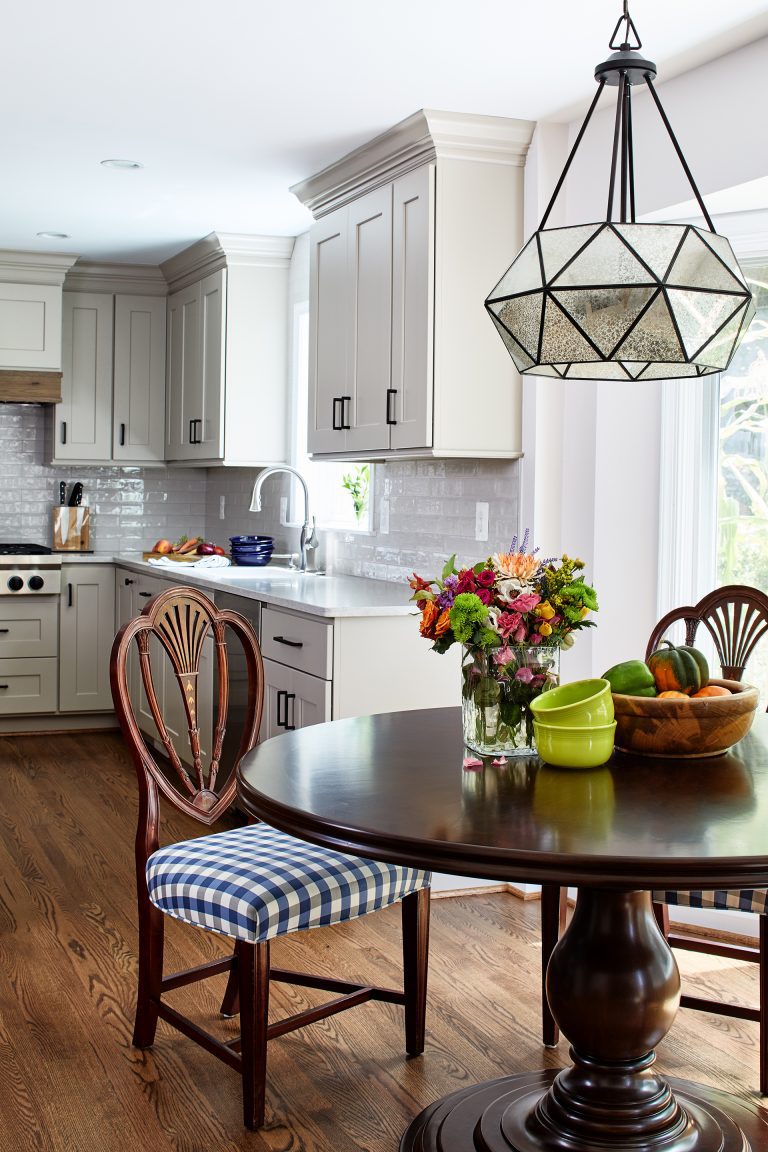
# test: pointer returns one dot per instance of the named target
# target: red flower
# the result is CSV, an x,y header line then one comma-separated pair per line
x,y
486,578
466,581
485,595
418,584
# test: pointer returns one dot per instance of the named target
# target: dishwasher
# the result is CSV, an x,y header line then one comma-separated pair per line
x,y
238,673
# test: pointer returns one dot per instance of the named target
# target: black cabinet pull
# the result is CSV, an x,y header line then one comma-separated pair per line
x,y
4,685
147,594
122,435
282,699
344,414
391,393
127,581
290,643
63,431
338,424
4,629
69,596
194,438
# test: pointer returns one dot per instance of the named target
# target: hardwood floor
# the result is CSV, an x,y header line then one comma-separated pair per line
x,y
71,1082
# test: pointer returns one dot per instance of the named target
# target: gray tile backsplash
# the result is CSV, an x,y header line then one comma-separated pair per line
x,y
130,507
428,506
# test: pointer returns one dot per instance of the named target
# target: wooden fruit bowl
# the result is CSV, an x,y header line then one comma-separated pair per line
x,y
708,726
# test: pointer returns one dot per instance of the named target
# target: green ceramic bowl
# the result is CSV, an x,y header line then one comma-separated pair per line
x,y
580,704
574,747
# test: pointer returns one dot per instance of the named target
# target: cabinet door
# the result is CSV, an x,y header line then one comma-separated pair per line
x,y
292,700
139,378
87,629
370,274
413,262
329,335
209,439
83,427
30,326
184,373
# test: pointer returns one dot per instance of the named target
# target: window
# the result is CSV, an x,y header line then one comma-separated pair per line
x,y
338,490
714,482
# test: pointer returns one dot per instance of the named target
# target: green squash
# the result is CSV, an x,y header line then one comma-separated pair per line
x,y
679,669
631,678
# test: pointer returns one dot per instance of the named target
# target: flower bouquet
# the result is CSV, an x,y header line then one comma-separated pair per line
x,y
512,613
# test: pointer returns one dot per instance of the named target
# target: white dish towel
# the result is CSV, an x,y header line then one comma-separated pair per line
x,y
182,565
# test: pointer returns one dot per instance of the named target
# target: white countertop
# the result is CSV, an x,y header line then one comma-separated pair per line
x,y
328,596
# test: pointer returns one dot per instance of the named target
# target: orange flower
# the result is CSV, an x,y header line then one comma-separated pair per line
x,y
517,565
429,619
443,623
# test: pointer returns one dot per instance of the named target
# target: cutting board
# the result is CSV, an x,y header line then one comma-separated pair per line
x,y
180,557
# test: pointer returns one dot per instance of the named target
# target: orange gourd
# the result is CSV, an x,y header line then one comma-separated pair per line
x,y
712,690
673,695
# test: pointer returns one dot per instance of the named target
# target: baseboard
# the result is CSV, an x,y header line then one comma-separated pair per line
x,y
77,722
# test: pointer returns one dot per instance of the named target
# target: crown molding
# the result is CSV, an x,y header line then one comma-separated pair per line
x,y
424,137
222,250
34,267
93,276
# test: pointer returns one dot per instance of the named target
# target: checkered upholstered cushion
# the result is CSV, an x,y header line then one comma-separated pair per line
x,y
739,900
255,883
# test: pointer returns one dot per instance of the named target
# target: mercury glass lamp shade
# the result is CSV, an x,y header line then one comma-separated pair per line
x,y
622,301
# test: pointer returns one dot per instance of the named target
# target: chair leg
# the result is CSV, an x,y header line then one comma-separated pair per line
x,y
763,1006
230,1005
415,919
151,928
554,907
252,964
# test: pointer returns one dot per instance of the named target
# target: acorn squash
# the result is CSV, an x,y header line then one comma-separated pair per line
x,y
679,668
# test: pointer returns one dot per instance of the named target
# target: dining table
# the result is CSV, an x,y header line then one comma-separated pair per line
x,y
400,787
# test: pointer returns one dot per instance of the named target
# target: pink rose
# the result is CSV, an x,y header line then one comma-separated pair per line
x,y
519,635
507,623
503,656
525,602
524,675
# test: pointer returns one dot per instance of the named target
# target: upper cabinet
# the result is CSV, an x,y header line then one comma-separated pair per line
x,y
227,370
411,233
30,310
113,383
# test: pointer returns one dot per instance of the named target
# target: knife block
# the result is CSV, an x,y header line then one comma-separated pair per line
x,y
71,529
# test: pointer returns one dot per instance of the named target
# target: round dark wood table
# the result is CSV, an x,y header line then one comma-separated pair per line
x,y
393,787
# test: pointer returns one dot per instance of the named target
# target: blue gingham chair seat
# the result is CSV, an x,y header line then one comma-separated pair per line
x,y
733,899
255,883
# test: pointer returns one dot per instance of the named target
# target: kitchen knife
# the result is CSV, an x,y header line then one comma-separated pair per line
x,y
76,495
62,492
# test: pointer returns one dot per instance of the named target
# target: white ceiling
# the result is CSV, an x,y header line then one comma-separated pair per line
x,y
226,105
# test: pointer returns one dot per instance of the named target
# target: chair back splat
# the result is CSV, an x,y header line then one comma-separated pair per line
x,y
736,617
247,884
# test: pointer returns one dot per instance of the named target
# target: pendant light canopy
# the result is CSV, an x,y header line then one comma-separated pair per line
x,y
618,300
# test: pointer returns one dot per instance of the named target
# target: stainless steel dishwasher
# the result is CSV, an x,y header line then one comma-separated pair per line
x,y
238,676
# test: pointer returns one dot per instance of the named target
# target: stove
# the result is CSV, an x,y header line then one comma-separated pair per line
x,y
29,570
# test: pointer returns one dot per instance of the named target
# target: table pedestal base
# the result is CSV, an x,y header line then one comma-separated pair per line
x,y
505,1115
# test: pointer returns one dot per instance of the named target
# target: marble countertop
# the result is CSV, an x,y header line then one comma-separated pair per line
x,y
317,595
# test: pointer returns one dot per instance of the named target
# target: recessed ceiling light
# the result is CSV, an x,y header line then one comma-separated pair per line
x,y
128,164
53,235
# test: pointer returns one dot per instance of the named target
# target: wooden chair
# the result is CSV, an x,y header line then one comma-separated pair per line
x,y
736,618
250,884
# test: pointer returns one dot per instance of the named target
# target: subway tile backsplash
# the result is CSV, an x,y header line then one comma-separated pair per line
x,y
130,507
426,508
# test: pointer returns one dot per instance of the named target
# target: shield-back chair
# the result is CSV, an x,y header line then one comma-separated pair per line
x,y
248,884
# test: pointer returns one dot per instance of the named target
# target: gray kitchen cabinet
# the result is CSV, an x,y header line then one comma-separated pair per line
x,y
227,369
406,246
86,632
30,309
113,383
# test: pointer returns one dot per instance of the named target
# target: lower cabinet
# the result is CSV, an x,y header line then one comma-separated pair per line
x,y
298,671
292,700
86,632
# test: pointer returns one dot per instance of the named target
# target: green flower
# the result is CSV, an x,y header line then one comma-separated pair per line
x,y
467,614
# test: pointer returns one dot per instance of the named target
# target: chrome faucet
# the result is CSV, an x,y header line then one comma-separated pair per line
x,y
308,537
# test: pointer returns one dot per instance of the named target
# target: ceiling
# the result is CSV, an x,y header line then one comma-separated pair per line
x,y
227,105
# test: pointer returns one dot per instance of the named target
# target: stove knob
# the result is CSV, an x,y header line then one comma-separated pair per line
x,y
15,583
36,583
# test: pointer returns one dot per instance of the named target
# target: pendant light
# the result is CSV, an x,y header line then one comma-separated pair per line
x,y
618,300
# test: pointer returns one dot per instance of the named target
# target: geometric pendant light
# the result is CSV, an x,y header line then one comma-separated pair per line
x,y
618,300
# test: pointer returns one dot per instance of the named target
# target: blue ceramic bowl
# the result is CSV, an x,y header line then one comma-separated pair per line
x,y
252,561
251,540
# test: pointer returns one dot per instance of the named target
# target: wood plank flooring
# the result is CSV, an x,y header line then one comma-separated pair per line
x,y
71,1082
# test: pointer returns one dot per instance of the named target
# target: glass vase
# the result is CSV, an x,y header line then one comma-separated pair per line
x,y
497,686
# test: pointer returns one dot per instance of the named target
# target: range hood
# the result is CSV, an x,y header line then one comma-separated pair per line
x,y
25,387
